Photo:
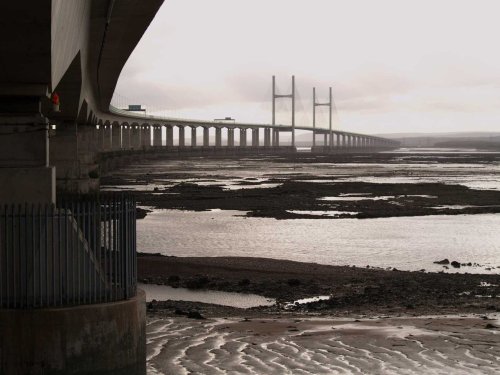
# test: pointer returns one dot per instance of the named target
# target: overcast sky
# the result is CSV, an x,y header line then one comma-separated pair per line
x,y
395,65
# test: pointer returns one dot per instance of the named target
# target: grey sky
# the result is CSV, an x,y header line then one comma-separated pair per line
x,y
395,65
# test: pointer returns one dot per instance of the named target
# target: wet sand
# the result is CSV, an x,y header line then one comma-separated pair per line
x,y
426,345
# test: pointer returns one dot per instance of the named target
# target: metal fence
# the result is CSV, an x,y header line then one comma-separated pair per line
x,y
80,251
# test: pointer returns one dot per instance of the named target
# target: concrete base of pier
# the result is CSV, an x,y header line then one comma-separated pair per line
x,y
83,340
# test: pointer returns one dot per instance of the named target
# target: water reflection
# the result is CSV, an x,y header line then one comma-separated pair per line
x,y
242,301
407,243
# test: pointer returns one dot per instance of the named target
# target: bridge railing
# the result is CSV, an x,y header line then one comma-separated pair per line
x,y
80,251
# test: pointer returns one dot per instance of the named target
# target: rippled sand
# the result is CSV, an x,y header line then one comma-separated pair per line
x,y
429,345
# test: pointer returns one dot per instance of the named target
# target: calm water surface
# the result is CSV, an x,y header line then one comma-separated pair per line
x,y
407,243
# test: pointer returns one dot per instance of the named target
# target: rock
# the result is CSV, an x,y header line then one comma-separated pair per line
x,y
455,264
490,326
173,279
195,315
444,261
180,312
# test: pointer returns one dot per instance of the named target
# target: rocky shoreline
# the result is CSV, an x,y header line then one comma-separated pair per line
x,y
353,291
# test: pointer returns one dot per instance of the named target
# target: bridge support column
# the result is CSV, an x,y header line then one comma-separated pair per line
x,y
267,137
157,136
126,137
255,137
182,136
64,155
170,136
108,139
135,137
116,137
146,136
276,137
100,138
230,137
206,136
88,179
218,137
243,137
25,173
193,136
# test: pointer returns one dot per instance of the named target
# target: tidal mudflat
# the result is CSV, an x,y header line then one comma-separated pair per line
x,y
363,232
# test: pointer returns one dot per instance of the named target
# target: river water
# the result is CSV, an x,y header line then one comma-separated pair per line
x,y
406,243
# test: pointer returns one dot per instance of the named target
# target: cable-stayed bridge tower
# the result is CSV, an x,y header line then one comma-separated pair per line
x,y
329,105
277,96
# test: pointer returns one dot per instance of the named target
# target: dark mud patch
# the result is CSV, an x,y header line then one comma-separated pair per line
x,y
352,289
280,202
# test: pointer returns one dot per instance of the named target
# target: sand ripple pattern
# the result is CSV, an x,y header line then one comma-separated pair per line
x,y
429,345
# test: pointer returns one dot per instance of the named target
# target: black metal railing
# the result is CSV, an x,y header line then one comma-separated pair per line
x,y
80,251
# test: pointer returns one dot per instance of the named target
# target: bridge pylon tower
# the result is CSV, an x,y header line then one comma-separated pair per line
x,y
277,96
329,105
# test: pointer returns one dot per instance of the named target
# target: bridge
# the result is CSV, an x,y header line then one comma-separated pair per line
x,y
68,298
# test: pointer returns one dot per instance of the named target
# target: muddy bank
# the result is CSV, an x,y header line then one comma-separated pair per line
x,y
314,186
294,199
352,290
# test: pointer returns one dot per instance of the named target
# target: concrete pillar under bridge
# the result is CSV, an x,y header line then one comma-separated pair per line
x,y
182,136
126,137
218,137
267,137
276,137
255,138
206,136
230,137
193,136
73,151
107,144
157,136
243,137
116,137
170,136
135,137
146,136
25,172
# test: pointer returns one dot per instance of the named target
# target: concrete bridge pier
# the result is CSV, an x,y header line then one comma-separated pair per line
x,y
218,137
276,137
267,137
135,137
193,136
157,136
170,136
182,136
255,137
206,136
108,140
146,136
63,155
116,137
243,137
89,173
126,137
230,137
25,173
